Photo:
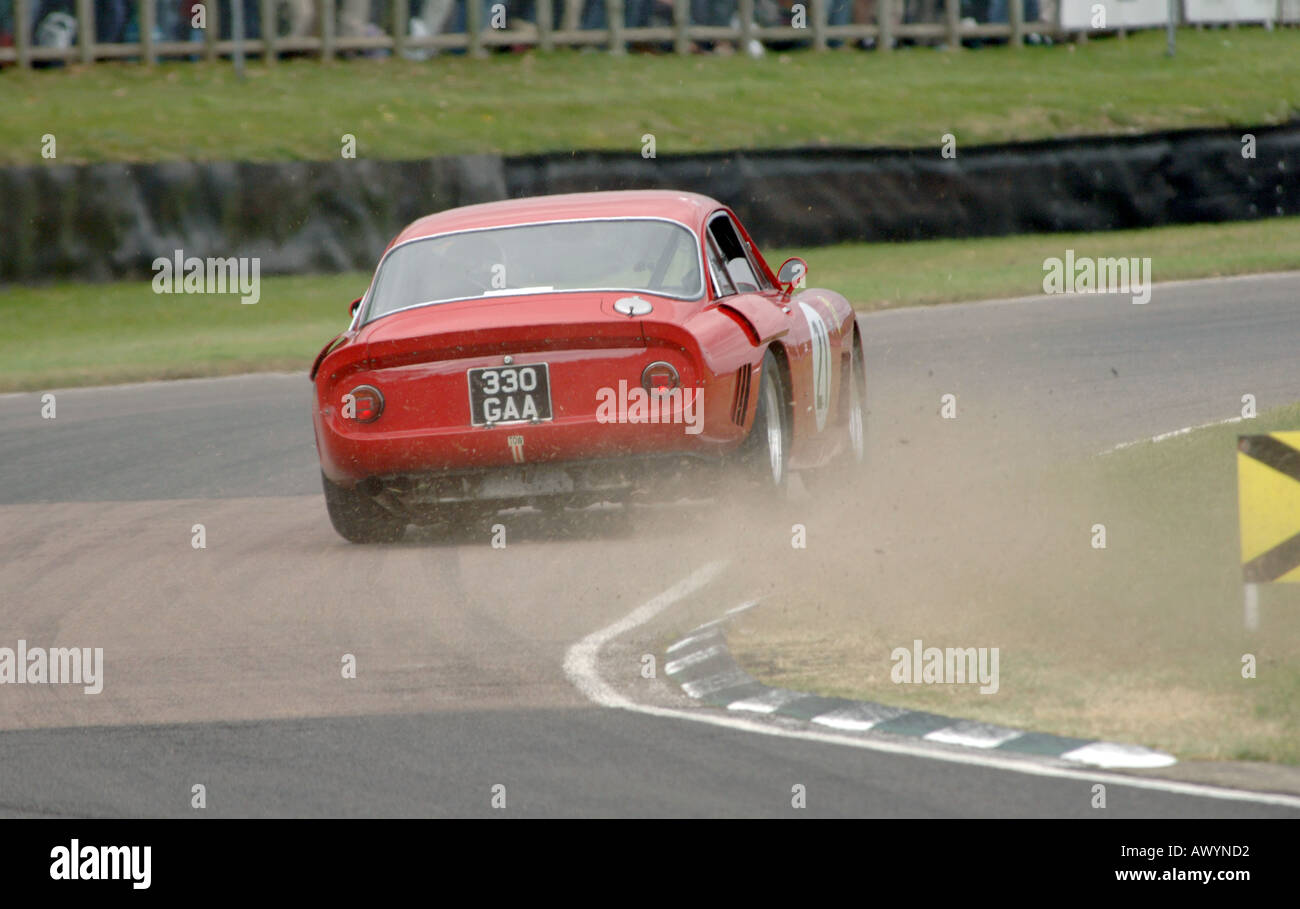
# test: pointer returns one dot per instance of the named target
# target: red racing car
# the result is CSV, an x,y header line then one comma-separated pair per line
x,y
572,349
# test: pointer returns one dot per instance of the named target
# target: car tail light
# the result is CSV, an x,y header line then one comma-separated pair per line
x,y
367,404
659,378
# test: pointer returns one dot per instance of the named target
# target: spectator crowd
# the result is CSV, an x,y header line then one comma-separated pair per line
x,y
54,22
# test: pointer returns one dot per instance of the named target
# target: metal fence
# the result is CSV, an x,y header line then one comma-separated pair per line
x,y
148,30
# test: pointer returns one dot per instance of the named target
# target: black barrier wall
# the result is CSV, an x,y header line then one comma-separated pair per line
x,y
106,221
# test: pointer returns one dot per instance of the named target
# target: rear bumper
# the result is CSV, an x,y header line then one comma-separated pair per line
x,y
583,482
350,457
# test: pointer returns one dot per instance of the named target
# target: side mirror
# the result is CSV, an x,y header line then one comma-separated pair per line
x,y
352,307
793,273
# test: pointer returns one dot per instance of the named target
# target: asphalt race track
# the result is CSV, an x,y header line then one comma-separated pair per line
x,y
222,665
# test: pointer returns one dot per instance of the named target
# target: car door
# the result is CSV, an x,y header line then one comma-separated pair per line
x,y
808,333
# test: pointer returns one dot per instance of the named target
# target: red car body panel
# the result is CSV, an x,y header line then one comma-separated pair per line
x,y
419,357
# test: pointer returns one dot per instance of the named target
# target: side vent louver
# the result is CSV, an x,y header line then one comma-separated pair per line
x,y
741,403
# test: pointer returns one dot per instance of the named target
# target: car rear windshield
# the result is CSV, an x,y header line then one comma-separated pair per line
x,y
660,257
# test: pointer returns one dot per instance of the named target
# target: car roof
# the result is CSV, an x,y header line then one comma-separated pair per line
x,y
689,208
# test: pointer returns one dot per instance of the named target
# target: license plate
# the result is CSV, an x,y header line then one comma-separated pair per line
x,y
509,394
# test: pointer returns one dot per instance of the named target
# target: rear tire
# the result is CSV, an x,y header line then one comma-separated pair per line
x,y
359,518
855,456
764,455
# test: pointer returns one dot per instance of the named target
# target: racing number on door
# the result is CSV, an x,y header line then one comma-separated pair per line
x,y
821,363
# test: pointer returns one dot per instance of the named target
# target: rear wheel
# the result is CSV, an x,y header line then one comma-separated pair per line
x,y
856,455
359,518
765,453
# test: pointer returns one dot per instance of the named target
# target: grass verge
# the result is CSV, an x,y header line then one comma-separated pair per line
x,y
1142,641
526,103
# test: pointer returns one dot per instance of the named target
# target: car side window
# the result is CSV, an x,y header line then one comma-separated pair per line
x,y
744,273
718,269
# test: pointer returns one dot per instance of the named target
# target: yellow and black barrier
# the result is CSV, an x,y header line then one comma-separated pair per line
x,y
1268,499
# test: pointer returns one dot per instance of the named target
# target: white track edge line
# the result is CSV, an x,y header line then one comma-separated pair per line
x,y
1186,430
580,666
